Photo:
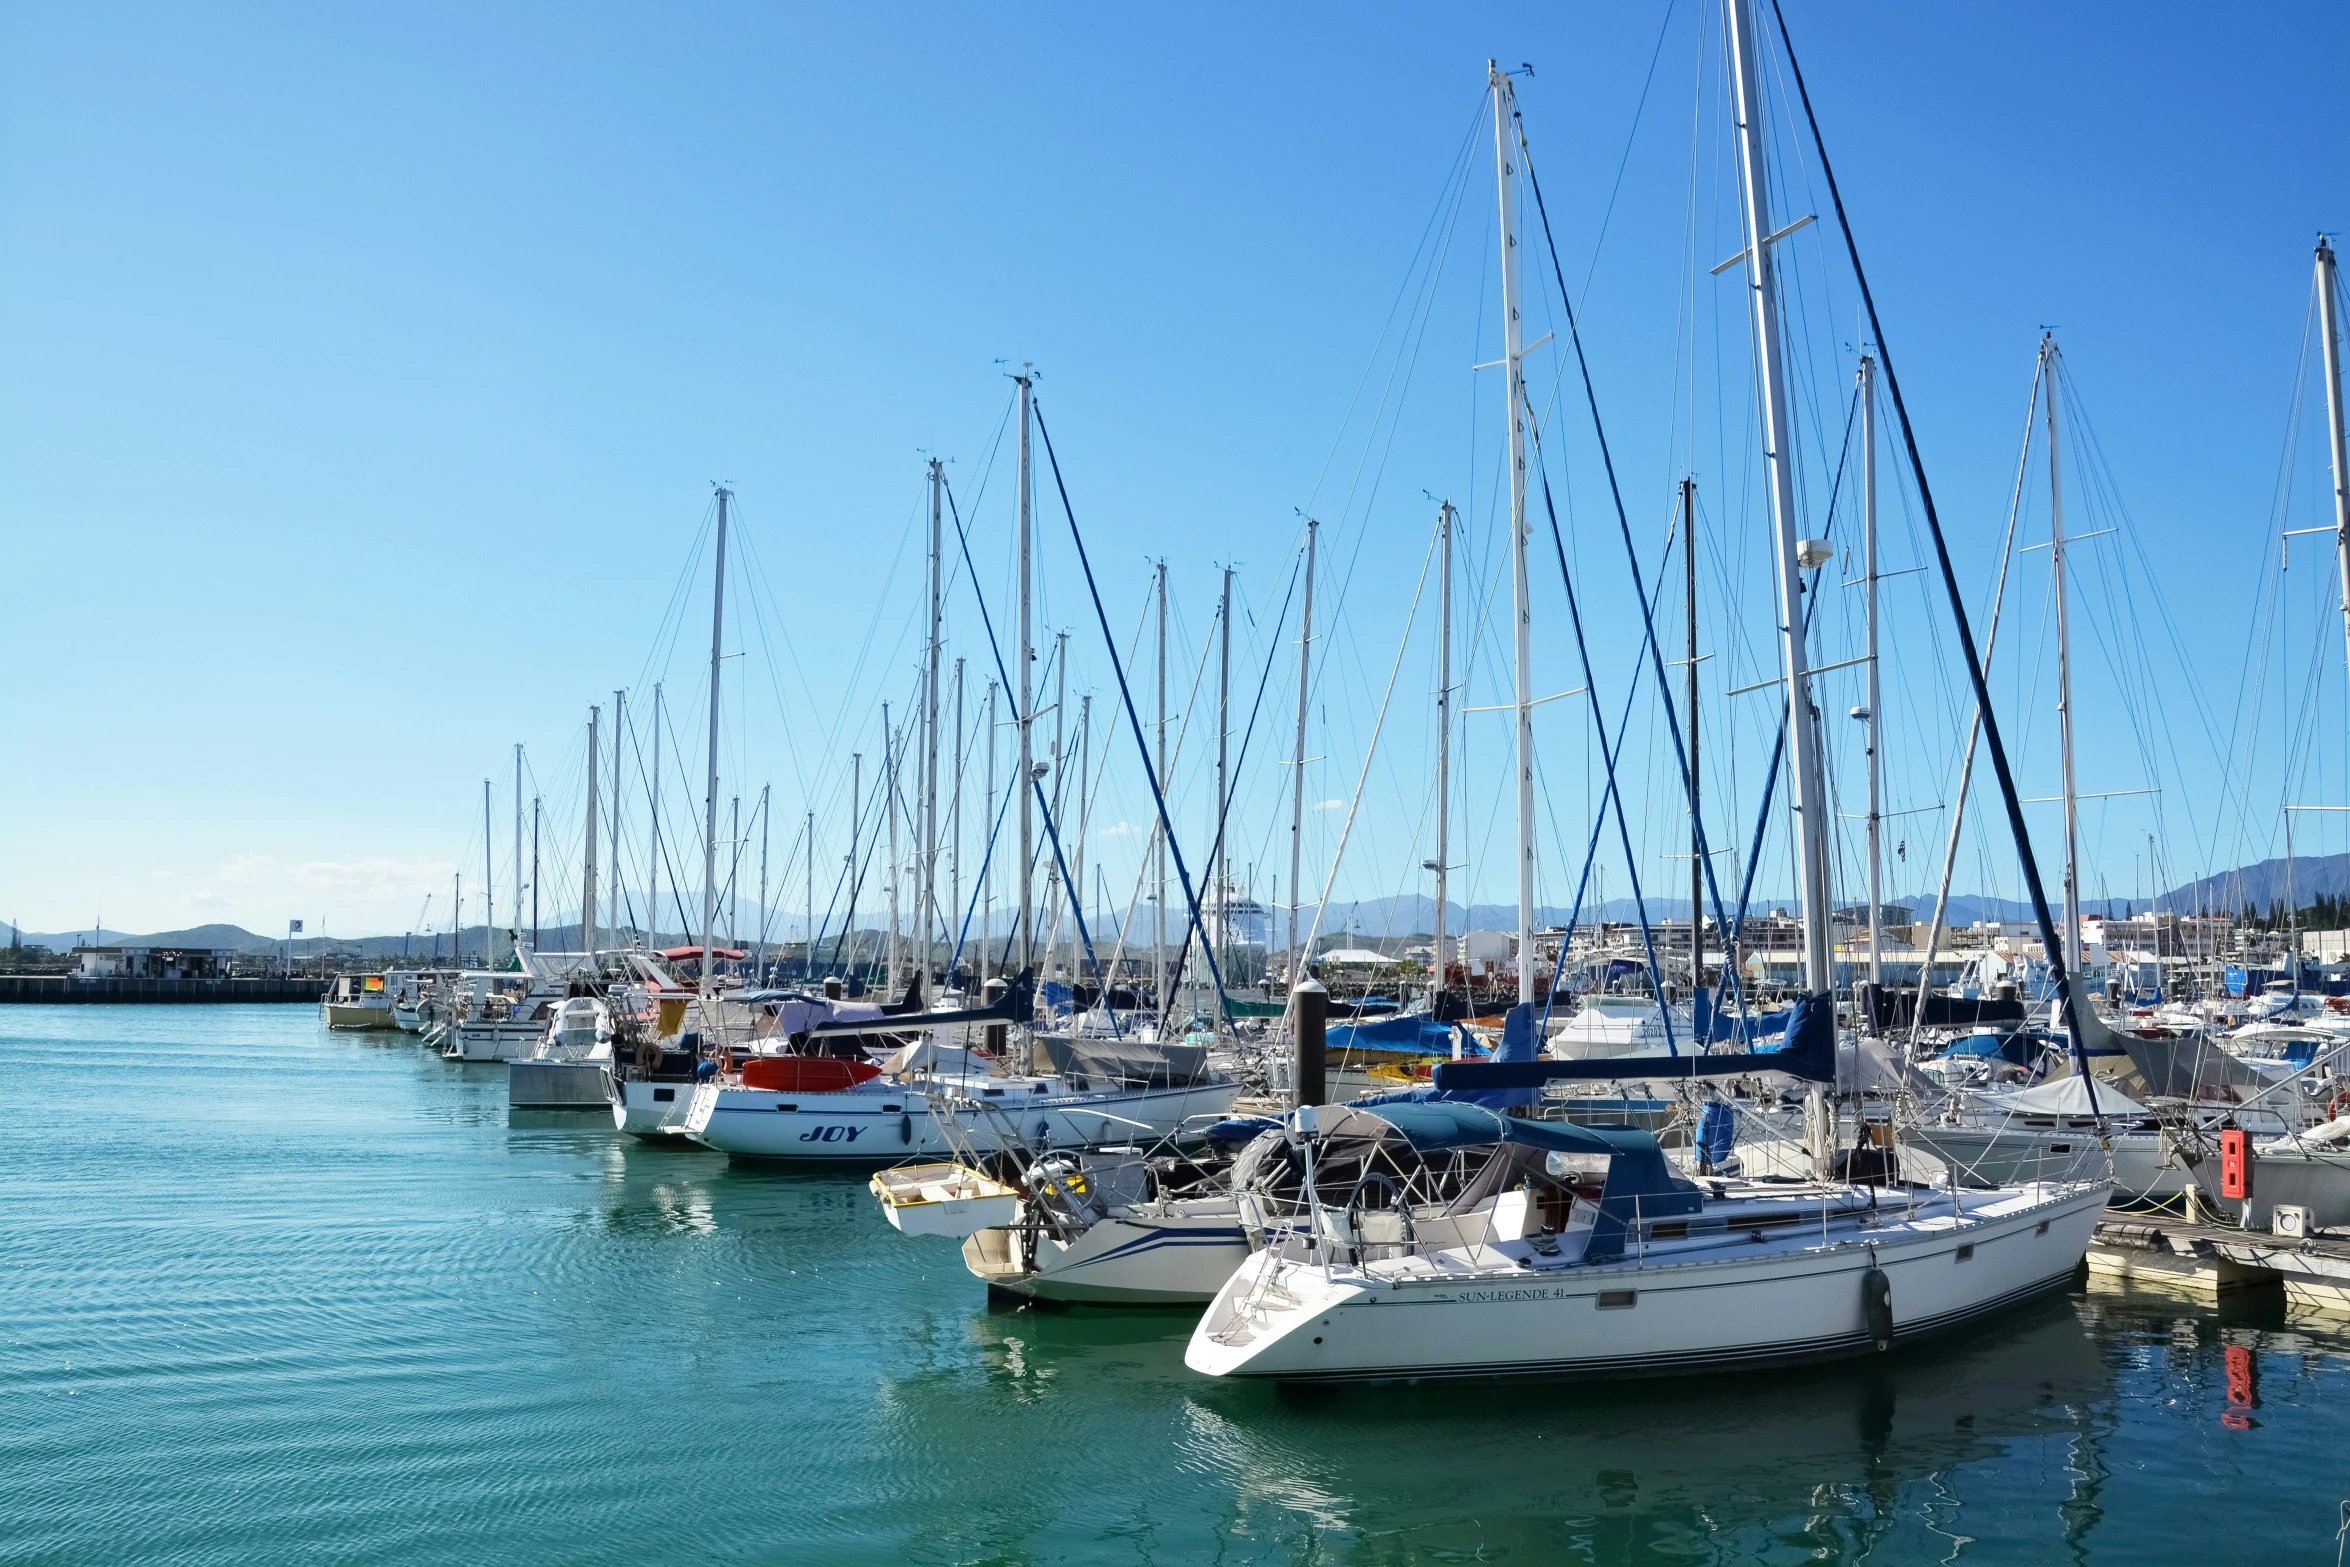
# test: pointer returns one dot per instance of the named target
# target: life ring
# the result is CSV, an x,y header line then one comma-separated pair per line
x,y
648,1057
2339,1103
725,1060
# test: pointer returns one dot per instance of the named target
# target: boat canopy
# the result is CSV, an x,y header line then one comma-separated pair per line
x,y
1415,1034
1640,1183
680,954
2067,1096
1809,1052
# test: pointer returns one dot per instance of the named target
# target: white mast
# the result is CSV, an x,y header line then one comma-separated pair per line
x,y
489,893
1297,794
889,795
1159,985
856,836
1222,869
1513,357
2327,289
1052,875
955,826
759,963
926,907
612,884
1810,792
1443,861
1874,716
587,878
653,891
987,861
2064,671
517,899
710,791
1025,712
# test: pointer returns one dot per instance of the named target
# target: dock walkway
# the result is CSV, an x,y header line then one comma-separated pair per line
x,y
2136,1250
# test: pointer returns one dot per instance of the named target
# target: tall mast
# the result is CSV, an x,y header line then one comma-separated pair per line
x,y
1876,720
1060,782
1222,869
489,895
856,832
734,872
2064,671
889,794
1696,837
1297,793
955,826
1084,802
612,884
587,878
2328,292
1810,789
1522,613
987,861
1159,985
808,931
710,787
926,906
517,899
759,963
1025,712
456,926
1442,864
653,890
534,872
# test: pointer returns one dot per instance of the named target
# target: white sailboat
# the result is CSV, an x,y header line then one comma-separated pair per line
x,y
1579,1250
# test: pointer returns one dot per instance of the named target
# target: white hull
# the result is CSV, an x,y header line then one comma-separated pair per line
x,y
1479,1314
495,1041
886,1123
1136,1257
644,1109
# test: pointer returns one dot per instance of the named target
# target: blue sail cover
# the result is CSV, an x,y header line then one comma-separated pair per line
x,y
1418,1035
1809,1052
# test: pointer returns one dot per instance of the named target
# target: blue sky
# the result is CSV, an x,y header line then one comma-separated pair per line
x,y
369,371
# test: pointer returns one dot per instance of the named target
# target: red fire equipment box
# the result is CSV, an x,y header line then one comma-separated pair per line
x,y
2235,1165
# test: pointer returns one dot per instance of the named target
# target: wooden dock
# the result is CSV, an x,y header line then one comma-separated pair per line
x,y
2155,1252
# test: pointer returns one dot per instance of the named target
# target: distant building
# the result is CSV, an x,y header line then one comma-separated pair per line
x,y
153,962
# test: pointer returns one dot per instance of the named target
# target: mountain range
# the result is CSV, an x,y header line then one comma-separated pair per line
x,y
2258,885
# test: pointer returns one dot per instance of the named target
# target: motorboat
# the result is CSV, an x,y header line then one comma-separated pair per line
x,y
357,1001
1555,1250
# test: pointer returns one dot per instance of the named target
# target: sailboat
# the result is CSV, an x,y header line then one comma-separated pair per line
x,y
1580,1250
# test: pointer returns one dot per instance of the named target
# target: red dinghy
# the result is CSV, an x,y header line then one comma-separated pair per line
x,y
806,1074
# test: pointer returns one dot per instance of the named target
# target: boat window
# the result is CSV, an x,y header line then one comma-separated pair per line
x,y
1966,1253
2060,1147
663,1096
1668,1230
893,1107
2043,1229
991,1093
1618,1300
787,1107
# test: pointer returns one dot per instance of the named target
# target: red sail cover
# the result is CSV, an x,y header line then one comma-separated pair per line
x,y
806,1074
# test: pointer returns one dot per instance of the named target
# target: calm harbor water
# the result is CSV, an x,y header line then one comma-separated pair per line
x,y
273,1295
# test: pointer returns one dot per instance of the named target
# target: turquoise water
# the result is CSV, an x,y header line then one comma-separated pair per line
x,y
273,1295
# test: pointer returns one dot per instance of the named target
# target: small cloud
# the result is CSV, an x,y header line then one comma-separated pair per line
x,y
207,899
368,878
248,867
1329,805
1120,830
161,876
